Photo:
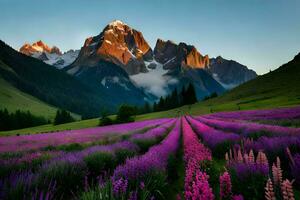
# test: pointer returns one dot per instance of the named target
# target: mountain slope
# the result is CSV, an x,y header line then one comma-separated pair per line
x,y
113,81
282,82
229,72
13,99
48,84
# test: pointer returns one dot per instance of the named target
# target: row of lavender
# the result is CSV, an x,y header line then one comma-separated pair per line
x,y
64,173
37,141
271,114
250,175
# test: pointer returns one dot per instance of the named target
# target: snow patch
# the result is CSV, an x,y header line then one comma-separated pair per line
x,y
60,61
116,23
171,60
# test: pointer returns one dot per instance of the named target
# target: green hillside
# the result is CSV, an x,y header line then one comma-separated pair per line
x,y
14,99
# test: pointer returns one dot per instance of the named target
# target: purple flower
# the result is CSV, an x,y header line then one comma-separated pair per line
x,y
245,170
237,197
247,128
270,114
212,137
142,185
155,159
37,141
119,186
133,195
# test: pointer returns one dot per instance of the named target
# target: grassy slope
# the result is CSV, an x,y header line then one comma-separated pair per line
x,y
14,99
279,88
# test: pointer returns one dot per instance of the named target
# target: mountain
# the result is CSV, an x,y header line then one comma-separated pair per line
x,y
119,44
37,48
14,99
172,55
50,55
119,64
147,75
183,64
229,72
49,84
105,62
276,88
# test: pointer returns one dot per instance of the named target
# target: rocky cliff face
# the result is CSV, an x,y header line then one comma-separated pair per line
x,y
117,43
39,47
229,72
172,55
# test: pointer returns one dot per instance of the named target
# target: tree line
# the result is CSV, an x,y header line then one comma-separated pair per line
x,y
24,119
19,119
126,113
186,96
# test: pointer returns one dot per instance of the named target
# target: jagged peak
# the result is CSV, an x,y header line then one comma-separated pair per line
x,y
117,23
159,40
38,46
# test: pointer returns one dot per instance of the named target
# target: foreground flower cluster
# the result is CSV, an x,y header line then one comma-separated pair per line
x,y
155,159
227,156
196,184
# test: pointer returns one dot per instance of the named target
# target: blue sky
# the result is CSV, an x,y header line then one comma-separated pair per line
x,y
262,34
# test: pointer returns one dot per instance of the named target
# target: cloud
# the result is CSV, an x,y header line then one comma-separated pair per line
x,y
154,81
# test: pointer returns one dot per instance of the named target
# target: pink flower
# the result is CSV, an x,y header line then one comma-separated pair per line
x,y
225,186
237,197
196,182
269,191
287,190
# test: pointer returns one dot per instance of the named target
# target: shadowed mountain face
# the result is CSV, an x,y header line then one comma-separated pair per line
x,y
280,86
172,55
229,72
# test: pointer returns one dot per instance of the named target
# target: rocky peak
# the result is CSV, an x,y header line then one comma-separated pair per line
x,y
229,72
117,43
39,47
172,55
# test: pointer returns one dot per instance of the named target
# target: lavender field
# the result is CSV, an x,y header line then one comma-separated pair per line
x,y
228,155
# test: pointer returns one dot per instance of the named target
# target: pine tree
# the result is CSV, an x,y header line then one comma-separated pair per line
x,y
182,97
174,99
147,108
62,116
161,104
191,94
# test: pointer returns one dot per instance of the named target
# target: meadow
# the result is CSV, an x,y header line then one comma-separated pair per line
x,y
226,155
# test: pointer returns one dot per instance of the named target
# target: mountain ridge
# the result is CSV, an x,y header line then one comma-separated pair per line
x,y
49,84
50,55
124,48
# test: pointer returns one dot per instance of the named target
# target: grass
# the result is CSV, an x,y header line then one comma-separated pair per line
x,y
52,128
15,99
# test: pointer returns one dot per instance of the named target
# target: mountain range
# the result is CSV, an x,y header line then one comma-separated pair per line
x,y
117,66
50,55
